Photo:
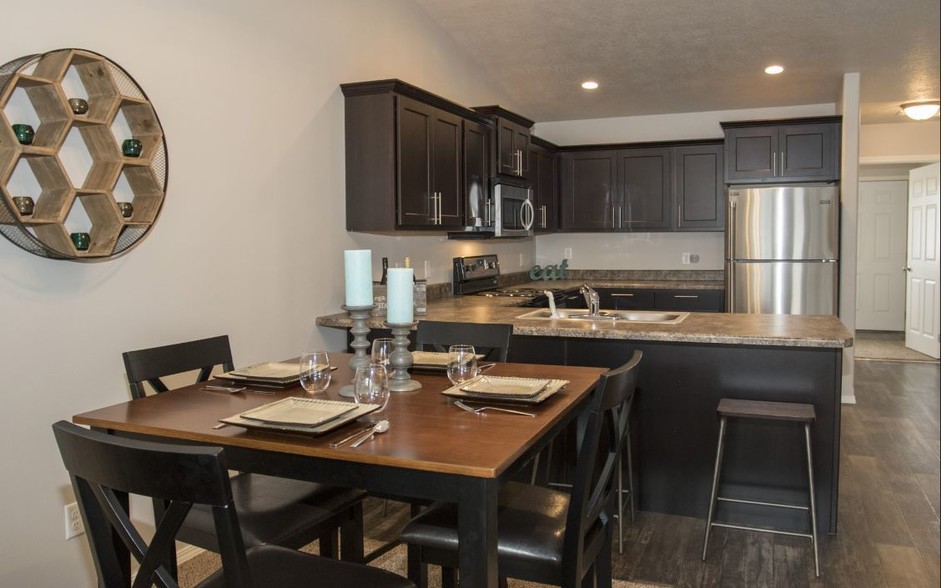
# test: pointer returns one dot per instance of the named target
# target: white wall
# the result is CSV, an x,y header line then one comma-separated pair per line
x,y
905,142
251,236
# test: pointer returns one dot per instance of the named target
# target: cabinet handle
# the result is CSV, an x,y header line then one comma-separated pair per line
x,y
519,162
685,296
679,214
437,215
542,209
783,162
487,207
613,216
620,220
774,163
617,295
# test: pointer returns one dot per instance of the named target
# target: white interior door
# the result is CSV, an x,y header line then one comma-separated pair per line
x,y
880,279
922,324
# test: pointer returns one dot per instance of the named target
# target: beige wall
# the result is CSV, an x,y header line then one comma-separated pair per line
x,y
250,239
905,142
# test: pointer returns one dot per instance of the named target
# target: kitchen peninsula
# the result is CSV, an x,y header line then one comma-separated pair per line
x,y
687,368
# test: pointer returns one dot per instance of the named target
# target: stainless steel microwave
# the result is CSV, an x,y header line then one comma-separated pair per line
x,y
506,212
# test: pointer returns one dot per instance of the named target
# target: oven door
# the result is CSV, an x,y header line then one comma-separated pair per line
x,y
513,212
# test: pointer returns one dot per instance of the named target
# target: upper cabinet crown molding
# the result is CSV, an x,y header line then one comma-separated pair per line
x,y
401,88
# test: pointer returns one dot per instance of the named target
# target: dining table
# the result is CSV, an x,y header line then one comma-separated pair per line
x,y
432,451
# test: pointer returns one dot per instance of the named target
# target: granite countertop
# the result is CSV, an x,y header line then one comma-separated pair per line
x,y
665,284
699,327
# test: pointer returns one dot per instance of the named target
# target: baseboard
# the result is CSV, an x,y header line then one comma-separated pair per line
x,y
848,399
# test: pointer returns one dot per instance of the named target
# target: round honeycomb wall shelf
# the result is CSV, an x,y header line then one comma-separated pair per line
x,y
89,182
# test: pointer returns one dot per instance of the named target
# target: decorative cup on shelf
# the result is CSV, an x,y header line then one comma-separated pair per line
x,y
24,205
24,134
81,241
78,105
131,147
126,208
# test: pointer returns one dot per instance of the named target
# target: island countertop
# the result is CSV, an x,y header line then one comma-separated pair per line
x,y
819,331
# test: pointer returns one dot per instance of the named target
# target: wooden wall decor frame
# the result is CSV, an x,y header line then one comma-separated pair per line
x,y
118,109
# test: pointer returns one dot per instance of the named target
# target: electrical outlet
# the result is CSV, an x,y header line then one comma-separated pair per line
x,y
74,525
567,253
686,259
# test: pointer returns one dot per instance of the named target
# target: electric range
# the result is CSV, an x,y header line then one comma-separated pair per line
x,y
479,275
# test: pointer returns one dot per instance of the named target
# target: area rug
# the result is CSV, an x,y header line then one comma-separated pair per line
x,y
886,346
194,570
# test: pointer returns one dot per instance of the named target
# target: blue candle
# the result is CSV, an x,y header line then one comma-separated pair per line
x,y
358,272
399,296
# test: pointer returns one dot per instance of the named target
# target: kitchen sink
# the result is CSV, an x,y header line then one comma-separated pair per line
x,y
582,314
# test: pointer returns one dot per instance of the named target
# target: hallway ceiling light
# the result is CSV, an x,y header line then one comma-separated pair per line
x,y
921,109
590,85
774,69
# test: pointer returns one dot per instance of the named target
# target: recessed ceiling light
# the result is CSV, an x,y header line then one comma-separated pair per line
x,y
774,69
590,85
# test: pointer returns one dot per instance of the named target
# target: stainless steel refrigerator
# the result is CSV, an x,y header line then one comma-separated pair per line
x,y
782,249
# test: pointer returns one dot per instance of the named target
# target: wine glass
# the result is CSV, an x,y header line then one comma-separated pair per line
x,y
315,371
382,349
462,363
371,386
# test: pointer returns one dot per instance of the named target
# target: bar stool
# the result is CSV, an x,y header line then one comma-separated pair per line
x,y
774,411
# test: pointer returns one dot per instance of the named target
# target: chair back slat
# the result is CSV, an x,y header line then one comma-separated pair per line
x,y
490,340
592,498
153,364
103,465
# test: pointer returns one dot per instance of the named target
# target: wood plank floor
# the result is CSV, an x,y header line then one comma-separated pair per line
x,y
888,513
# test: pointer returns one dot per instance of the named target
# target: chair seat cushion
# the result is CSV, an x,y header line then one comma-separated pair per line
x,y
531,527
286,568
277,511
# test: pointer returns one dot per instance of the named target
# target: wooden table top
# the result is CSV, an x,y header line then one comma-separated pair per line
x,y
427,431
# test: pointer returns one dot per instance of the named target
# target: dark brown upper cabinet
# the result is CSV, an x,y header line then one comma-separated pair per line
x,y
698,189
544,177
793,150
642,187
406,158
511,141
478,212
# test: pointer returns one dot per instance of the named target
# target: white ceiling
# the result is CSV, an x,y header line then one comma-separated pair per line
x,y
664,56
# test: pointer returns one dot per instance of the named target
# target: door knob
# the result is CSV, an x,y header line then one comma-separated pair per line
x,y
906,269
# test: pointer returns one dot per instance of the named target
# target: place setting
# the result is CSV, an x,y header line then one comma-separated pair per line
x,y
470,385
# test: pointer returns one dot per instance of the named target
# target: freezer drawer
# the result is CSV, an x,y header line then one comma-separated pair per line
x,y
780,287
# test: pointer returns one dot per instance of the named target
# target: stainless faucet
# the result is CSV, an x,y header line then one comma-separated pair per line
x,y
592,300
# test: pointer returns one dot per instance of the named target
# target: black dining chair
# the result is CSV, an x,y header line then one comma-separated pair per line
x,y
546,535
102,467
490,340
272,510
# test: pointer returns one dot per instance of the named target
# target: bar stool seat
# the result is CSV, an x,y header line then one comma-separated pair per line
x,y
774,411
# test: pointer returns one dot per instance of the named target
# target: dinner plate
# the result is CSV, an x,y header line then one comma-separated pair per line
x,y
356,411
432,360
277,373
550,389
505,386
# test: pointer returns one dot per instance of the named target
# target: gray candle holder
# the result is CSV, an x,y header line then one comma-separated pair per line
x,y
401,359
360,343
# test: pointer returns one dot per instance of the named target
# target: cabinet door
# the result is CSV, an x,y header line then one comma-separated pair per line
x,y
698,188
446,168
507,162
751,154
476,173
544,179
807,152
644,181
429,150
522,144
587,190
690,300
415,123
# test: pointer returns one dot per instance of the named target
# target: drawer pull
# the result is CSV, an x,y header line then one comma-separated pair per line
x,y
685,296
622,296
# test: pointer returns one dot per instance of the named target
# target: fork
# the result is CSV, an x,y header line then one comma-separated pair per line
x,y
481,409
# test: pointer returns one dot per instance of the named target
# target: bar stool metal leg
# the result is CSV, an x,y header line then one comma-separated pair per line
x,y
813,497
715,485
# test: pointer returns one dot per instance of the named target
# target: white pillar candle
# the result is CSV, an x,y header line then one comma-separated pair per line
x,y
357,265
399,296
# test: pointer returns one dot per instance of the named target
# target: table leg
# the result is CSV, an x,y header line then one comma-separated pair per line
x,y
477,532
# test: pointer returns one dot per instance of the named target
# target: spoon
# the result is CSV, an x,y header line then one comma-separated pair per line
x,y
381,427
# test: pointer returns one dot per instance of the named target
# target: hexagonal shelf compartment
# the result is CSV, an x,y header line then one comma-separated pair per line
x,y
83,107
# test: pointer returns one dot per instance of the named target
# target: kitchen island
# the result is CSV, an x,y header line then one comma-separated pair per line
x,y
687,368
